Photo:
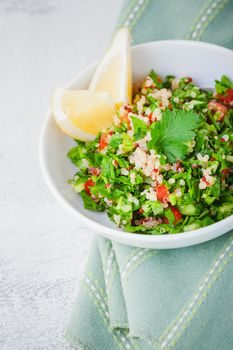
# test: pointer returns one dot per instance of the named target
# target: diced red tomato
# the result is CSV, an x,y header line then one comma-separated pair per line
x,y
162,193
150,117
127,108
189,79
165,220
177,214
215,106
107,185
94,171
103,141
226,172
89,183
228,98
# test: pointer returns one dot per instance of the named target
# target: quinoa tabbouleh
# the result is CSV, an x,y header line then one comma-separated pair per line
x,y
166,164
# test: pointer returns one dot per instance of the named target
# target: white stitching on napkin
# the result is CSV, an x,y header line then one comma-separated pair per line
x,y
131,261
109,266
186,315
133,13
208,14
118,335
135,261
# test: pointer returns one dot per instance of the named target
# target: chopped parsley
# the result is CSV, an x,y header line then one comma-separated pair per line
x,y
166,165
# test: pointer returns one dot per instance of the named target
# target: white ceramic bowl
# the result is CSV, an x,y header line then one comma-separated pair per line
x,y
204,63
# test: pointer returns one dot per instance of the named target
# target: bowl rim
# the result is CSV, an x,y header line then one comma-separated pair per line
x,y
179,240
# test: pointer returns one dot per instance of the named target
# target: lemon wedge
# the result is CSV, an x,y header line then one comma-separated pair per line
x,y
114,73
81,114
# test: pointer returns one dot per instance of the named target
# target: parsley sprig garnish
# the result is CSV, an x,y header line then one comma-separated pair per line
x,y
171,133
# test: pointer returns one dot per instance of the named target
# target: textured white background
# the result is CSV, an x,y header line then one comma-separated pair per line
x,y
43,43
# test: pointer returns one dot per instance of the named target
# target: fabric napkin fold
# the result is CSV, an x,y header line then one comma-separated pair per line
x,y
144,299
134,298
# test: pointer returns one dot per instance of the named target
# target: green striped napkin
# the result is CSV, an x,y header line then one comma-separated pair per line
x,y
205,20
144,299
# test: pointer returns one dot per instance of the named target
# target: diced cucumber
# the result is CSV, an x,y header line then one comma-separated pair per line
x,y
146,208
226,207
123,205
188,209
156,207
173,199
229,159
209,200
170,216
191,227
79,185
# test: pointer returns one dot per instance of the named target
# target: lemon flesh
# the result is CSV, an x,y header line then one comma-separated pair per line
x,y
114,73
81,114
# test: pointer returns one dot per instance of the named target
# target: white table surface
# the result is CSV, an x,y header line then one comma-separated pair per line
x,y
43,44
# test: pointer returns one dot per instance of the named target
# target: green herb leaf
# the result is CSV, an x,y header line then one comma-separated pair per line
x,y
170,134
107,168
89,203
135,229
123,163
139,127
156,79
100,188
115,141
127,144
223,85
77,153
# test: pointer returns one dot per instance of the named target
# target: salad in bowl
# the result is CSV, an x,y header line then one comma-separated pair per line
x,y
166,164
150,154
